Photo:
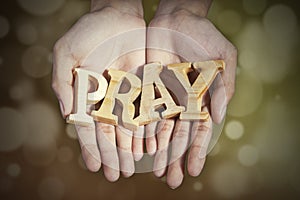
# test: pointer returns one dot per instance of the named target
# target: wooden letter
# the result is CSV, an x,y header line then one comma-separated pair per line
x,y
82,97
105,113
149,104
208,71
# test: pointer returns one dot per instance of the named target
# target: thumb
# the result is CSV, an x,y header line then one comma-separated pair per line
x,y
223,87
62,79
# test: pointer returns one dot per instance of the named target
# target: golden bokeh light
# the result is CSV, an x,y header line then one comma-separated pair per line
x,y
234,130
13,129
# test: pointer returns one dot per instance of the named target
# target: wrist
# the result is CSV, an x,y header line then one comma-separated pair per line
x,y
131,7
196,7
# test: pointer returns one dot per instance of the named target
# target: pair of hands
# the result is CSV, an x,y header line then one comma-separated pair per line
x,y
113,146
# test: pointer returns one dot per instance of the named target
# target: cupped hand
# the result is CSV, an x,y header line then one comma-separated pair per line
x,y
177,37
96,31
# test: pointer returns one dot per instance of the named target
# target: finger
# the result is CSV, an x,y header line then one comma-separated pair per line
x,y
176,173
224,86
151,144
165,128
180,139
89,147
107,143
201,135
124,141
62,77
179,146
138,143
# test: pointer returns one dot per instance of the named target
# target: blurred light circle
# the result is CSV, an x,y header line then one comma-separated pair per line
x,y
278,97
198,186
254,7
13,170
43,121
276,137
267,58
4,27
248,155
35,62
154,7
247,59
273,70
234,130
248,95
64,154
230,180
229,21
27,34
41,154
71,131
253,37
23,90
41,7
51,188
280,20
13,129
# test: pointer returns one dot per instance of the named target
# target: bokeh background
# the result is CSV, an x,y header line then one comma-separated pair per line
x,y
256,156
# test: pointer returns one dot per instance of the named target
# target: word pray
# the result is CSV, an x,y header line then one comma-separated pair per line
x,y
155,100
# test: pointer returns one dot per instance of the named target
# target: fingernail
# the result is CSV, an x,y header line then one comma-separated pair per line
x,y
91,157
202,153
93,151
62,108
173,187
138,156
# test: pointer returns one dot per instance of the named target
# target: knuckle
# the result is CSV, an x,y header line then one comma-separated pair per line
x,y
196,148
125,147
166,126
231,92
234,50
55,86
163,137
58,45
81,129
202,128
181,133
105,128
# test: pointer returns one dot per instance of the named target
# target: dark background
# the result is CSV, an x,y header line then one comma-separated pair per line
x,y
256,156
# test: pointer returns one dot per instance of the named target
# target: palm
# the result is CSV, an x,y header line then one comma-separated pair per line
x,y
94,43
192,38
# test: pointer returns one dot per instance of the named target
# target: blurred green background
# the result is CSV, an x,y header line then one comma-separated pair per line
x,y
256,156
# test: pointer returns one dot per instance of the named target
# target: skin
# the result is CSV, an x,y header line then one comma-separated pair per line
x,y
99,142
115,147
181,16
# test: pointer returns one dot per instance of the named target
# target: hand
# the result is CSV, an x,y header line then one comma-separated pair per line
x,y
207,44
75,49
